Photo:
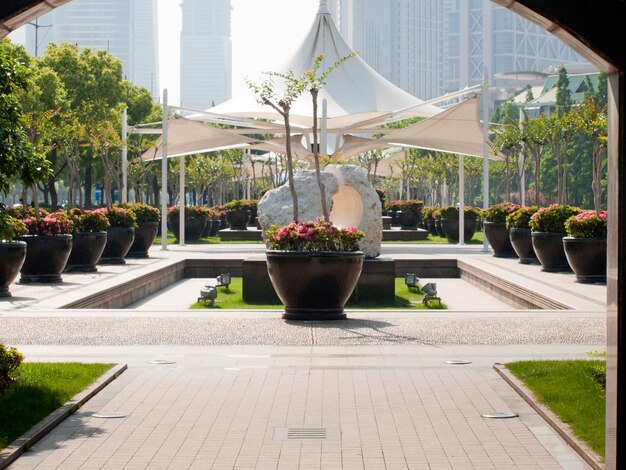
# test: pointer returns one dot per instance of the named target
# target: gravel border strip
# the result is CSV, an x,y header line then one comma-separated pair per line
x,y
587,454
11,453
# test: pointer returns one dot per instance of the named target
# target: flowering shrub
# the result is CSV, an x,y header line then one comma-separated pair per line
x,y
436,213
499,212
191,212
11,227
212,214
88,221
412,205
428,212
10,360
552,219
118,217
56,223
241,205
313,236
520,218
392,205
143,212
587,225
452,212
221,211
20,212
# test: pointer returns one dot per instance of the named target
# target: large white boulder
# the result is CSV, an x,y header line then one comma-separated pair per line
x,y
351,198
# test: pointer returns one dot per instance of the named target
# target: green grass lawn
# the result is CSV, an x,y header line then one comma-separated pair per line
x,y
202,241
573,390
477,239
40,389
231,298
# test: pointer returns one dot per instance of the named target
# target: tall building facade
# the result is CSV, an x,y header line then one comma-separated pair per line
x,y
205,53
127,29
431,47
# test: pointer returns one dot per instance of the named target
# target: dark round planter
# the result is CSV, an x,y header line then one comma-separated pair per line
x,y
194,227
215,227
439,229
223,223
119,241
314,285
498,237
207,228
587,257
431,227
549,249
394,216
450,229
522,242
12,255
408,220
87,247
145,234
253,216
238,220
46,257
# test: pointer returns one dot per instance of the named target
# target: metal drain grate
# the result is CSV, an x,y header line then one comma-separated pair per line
x,y
297,434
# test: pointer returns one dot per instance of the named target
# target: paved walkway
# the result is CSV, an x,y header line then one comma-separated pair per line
x,y
377,385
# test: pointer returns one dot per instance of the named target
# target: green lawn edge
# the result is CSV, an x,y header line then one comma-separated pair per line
x,y
41,388
571,389
231,299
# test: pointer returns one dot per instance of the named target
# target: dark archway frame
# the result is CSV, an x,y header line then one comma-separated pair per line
x,y
596,30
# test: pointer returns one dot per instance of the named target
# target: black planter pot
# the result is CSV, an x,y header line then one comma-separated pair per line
x,y
253,215
549,249
407,220
450,229
439,228
223,223
431,227
119,241
498,237
238,220
46,257
87,247
145,234
522,242
12,255
394,216
194,227
215,227
207,228
587,257
314,285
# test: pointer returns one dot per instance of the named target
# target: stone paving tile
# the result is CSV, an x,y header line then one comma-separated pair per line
x,y
194,416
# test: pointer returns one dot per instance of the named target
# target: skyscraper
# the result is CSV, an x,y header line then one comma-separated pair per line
x,y
127,29
205,53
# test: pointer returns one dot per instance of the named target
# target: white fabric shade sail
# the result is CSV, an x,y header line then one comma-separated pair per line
x,y
186,137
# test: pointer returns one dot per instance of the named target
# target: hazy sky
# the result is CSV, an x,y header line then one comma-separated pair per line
x,y
263,32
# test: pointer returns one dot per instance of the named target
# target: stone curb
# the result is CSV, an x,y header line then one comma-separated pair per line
x,y
587,454
39,430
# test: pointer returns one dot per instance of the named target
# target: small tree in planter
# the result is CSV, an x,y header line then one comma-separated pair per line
x,y
409,213
120,234
148,219
89,239
12,252
518,223
238,214
450,222
49,243
496,230
585,245
548,230
429,220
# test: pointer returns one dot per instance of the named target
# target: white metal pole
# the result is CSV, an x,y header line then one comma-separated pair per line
x,y
324,129
181,200
461,200
124,188
486,99
164,173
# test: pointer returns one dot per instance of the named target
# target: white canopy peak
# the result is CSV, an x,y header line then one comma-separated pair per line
x,y
323,10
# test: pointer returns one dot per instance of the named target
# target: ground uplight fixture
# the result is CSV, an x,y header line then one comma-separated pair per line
x,y
430,289
411,279
208,294
223,280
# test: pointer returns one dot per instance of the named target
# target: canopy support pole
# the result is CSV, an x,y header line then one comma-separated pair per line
x,y
461,199
124,188
164,174
485,150
181,200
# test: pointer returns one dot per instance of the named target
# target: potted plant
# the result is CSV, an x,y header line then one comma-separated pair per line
x,y
195,221
252,205
392,211
120,234
218,213
238,214
585,245
409,213
89,238
518,223
437,217
314,267
450,222
496,231
548,230
49,243
148,219
12,252
429,220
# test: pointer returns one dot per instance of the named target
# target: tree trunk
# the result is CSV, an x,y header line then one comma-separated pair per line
x,y
316,156
292,186
88,185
